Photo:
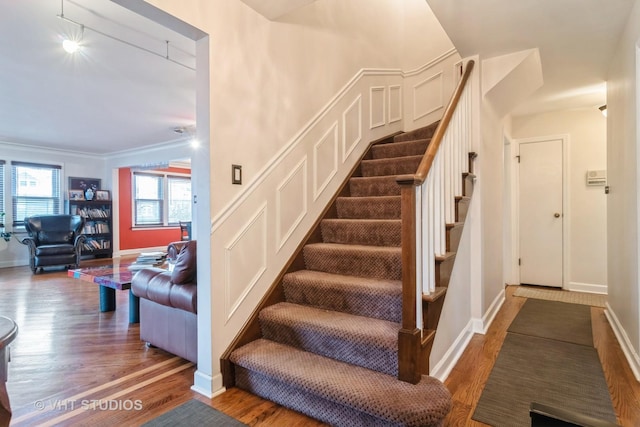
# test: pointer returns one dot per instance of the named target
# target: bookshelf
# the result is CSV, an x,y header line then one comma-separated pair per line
x,y
97,227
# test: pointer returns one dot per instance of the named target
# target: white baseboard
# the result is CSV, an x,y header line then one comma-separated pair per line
x,y
443,368
627,348
587,287
207,385
482,325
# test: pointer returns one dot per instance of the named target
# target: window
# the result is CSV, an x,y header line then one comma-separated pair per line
x,y
161,199
35,190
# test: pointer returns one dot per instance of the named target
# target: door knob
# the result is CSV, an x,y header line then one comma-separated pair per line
x,y
557,215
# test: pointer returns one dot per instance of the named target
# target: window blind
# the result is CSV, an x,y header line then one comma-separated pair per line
x,y
35,190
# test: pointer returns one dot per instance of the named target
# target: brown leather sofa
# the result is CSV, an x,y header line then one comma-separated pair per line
x,y
168,303
53,240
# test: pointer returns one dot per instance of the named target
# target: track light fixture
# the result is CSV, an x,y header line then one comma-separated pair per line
x,y
72,46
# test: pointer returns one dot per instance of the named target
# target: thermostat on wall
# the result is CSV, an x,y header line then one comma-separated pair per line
x,y
597,177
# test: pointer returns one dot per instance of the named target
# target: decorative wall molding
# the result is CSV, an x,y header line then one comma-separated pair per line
x,y
272,218
288,198
395,104
245,260
377,96
351,127
428,96
325,160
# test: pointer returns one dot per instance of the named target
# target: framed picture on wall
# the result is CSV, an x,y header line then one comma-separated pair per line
x,y
76,195
83,184
103,195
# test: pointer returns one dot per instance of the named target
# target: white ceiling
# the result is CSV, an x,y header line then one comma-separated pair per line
x,y
111,97
106,98
576,40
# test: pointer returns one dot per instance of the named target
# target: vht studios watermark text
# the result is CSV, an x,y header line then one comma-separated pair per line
x,y
89,405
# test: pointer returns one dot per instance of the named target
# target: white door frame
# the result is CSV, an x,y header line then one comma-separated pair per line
x,y
566,214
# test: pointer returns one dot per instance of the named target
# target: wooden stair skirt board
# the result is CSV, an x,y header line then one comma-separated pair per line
x,y
324,340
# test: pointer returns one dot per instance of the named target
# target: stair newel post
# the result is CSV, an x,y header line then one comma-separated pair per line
x,y
409,337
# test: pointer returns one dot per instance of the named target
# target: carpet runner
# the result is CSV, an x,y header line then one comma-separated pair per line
x,y
330,350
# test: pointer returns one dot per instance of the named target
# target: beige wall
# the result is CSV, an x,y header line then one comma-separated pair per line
x,y
622,202
586,129
269,78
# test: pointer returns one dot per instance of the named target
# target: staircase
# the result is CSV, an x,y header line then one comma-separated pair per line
x,y
325,341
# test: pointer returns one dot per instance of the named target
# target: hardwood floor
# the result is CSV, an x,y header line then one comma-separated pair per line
x,y
72,365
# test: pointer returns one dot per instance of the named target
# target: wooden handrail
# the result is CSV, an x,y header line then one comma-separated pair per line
x,y
411,351
425,164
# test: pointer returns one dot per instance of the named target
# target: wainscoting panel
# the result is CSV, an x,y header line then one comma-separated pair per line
x,y
351,127
291,202
325,160
395,103
245,260
377,106
428,96
254,236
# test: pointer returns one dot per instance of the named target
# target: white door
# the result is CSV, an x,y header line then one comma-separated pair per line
x,y
540,212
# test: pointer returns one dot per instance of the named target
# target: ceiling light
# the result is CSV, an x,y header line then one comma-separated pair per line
x,y
603,110
70,46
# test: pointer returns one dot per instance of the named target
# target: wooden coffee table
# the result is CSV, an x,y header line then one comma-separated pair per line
x,y
111,278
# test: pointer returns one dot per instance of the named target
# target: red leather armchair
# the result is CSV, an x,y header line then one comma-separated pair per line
x,y
168,303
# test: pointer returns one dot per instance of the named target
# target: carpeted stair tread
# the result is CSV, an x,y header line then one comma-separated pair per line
x,y
390,166
374,186
361,341
363,296
373,232
382,207
344,394
400,149
421,133
382,262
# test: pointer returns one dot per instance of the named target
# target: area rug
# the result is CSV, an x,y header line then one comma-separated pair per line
x,y
596,300
194,413
554,320
555,373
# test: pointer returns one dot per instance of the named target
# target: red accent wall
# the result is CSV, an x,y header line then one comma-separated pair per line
x,y
140,239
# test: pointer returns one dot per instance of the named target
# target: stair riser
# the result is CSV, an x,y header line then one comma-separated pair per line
x,y
383,306
373,187
353,263
325,343
361,233
409,148
305,402
349,208
462,207
394,166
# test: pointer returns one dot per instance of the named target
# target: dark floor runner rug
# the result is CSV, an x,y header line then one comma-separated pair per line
x,y
554,320
555,373
194,413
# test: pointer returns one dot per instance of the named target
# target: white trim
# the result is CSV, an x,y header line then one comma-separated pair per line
x,y
207,385
623,339
444,367
383,121
481,326
431,63
566,197
588,287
